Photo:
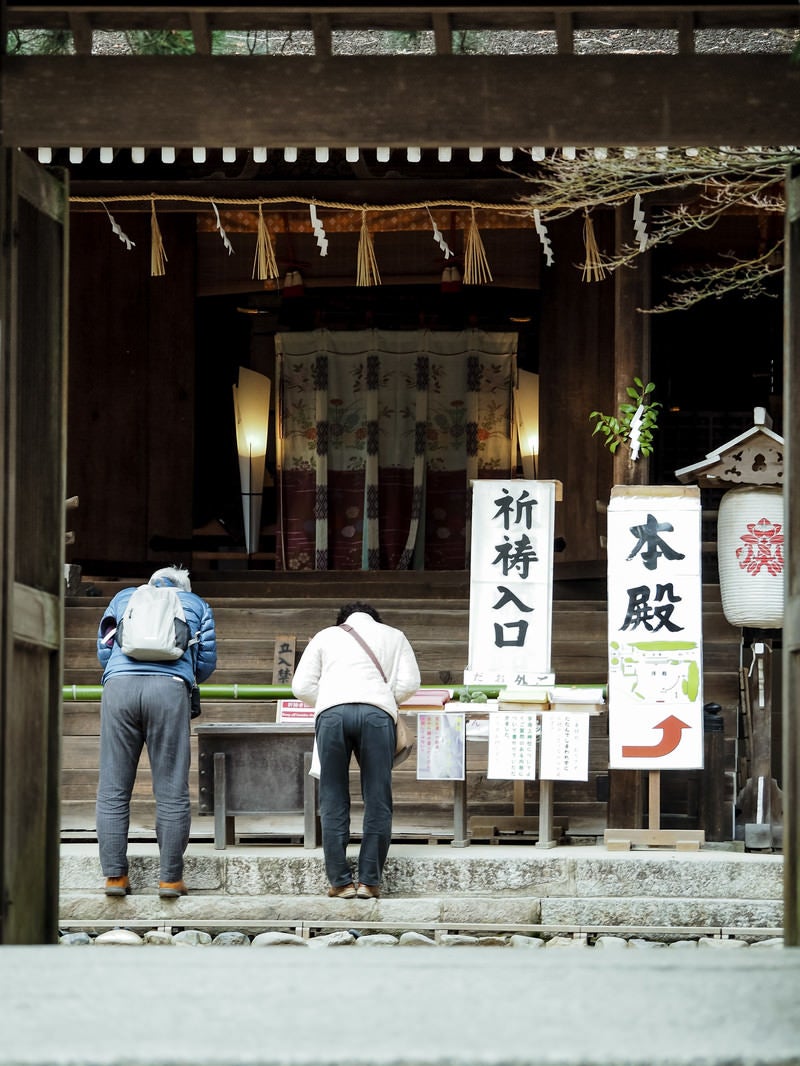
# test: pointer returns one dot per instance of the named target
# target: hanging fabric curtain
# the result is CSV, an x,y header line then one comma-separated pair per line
x,y
379,436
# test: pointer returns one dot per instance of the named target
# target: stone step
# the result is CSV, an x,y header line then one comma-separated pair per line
x,y
432,887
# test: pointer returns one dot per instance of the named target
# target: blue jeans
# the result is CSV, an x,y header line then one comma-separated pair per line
x,y
139,709
369,734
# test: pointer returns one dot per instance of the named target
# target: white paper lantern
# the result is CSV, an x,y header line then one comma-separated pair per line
x,y
751,556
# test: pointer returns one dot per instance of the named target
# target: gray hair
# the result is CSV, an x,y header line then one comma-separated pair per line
x,y
172,575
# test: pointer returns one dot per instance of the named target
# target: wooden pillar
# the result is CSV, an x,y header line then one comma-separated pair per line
x,y
791,625
631,360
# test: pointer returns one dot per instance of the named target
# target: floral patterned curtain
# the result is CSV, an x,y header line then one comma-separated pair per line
x,y
379,435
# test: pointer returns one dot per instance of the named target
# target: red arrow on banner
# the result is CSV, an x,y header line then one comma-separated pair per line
x,y
671,737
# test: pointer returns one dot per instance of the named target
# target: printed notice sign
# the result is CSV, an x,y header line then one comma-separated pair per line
x,y
655,634
511,582
512,745
440,746
564,754
293,711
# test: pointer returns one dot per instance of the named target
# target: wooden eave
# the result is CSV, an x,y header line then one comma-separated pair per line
x,y
400,100
331,99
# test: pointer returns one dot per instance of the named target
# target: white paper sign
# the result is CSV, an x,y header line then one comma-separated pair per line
x,y
440,746
655,629
288,711
512,745
511,580
565,746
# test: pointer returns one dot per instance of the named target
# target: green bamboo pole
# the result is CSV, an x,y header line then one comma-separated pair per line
x,y
210,692
92,693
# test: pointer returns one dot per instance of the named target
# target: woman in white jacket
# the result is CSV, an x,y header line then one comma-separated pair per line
x,y
355,674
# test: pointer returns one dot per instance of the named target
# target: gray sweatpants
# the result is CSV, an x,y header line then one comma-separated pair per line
x,y
138,710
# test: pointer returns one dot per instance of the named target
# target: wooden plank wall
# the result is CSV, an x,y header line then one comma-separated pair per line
x,y
130,449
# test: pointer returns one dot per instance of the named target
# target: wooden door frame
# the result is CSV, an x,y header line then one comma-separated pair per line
x,y
32,588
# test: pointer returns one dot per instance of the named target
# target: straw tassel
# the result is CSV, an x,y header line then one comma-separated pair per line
x,y
158,257
265,267
593,269
368,273
476,265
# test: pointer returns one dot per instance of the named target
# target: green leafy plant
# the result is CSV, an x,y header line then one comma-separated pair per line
x,y
627,428
160,42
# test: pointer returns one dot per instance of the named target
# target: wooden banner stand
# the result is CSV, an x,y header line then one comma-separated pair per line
x,y
653,836
546,828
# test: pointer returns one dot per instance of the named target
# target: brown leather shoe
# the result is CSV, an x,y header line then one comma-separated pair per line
x,y
342,891
118,886
368,891
172,889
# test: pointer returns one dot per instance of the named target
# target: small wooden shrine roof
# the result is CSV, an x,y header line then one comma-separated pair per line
x,y
755,457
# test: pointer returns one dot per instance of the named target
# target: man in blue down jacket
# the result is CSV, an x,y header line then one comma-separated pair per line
x,y
149,703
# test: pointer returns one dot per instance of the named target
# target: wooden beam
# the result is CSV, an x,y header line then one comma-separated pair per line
x,y
686,44
81,29
201,33
791,621
36,617
321,27
457,100
537,15
443,34
565,32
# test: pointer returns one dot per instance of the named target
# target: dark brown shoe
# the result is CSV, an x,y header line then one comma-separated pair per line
x,y
368,891
342,891
118,886
172,889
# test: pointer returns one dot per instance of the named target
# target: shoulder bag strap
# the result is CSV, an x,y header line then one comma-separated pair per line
x,y
365,646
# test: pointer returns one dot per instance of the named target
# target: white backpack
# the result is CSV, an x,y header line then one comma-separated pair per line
x,y
154,627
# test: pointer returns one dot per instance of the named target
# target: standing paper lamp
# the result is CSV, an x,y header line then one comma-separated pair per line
x,y
251,409
527,404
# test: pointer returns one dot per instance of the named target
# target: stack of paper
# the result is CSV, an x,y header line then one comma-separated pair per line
x,y
427,699
589,698
523,698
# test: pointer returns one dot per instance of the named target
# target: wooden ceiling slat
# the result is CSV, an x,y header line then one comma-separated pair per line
x,y
400,100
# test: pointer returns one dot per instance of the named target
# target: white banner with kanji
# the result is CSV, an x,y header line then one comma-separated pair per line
x,y
511,582
655,628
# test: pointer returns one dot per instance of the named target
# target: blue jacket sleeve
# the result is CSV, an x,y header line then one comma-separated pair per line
x,y
206,648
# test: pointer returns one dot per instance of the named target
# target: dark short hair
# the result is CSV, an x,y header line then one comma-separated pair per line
x,y
352,608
